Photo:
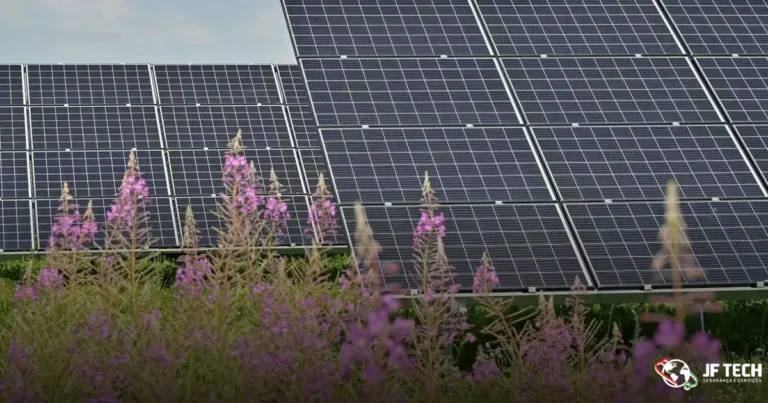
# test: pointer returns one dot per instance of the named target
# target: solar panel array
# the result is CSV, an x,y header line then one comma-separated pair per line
x,y
549,130
78,124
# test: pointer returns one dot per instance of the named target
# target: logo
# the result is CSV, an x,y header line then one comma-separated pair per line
x,y
733,373
676,373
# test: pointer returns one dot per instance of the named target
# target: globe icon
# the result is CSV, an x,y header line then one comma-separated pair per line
x,y
676,373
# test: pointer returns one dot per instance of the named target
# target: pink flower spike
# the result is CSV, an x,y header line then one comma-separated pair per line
x,y
670,334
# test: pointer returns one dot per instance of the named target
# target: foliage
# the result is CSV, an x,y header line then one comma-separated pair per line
x,y
242,323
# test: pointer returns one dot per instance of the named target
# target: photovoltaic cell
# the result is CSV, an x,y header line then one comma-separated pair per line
x,y
216,84
389,28
527,244
609,90
16,225
407,92
199,172
94,127
94,174
741,84
204,210
12,129
216,126
118,84
728,240
11,85
721,27
303,124
636,162
292,82
14,175
464,165
755,137
577,27
159,212
313,163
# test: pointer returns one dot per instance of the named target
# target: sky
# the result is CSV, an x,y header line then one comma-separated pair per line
x,y
143,31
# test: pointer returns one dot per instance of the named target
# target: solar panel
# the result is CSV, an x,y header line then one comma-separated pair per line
x,y
755,137
303,124
13,132
636,162
216,84
609,90
204,210
464,164
94,173
728,240
313,163
292,83
528,244
721,27
391,28
160,216
580,27
94,127
199,172
11,85
14,175
117,84
215,126
16,225
408,92
741,84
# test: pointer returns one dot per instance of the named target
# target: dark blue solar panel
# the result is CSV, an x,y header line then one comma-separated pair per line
x,y
303,125
16,225
94,127
14,175
94,174
13,132
636,162
160,220
216,84
528,244
11,85
755,137
402,92
216,126
577,27
199,172
721,27
741,84
464,165
204,209
118,84
609,90
292,83
385,28
729,240
313,163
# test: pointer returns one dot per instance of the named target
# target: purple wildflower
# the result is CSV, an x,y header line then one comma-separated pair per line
x,y
485,370
192,277
706,347
485,278
670,334
49,279
131,199
25,293
322,215
235,169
